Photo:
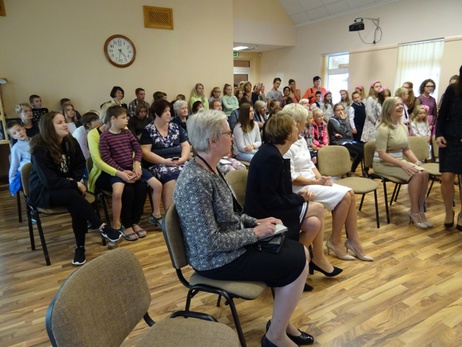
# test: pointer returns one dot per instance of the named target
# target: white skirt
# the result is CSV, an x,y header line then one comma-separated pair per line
x,y
329,196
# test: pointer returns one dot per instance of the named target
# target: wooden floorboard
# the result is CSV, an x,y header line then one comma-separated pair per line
x,y
409,296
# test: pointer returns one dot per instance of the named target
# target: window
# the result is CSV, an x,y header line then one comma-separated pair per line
x,y
418,61
337,73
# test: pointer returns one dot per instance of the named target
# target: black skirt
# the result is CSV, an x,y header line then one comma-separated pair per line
x,y
451,156
275,269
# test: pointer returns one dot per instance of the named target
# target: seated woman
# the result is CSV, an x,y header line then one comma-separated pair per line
x,y
165,149
246,133
339,200
58,165
180,107
392,145
219,238
340,134
138,122
269,192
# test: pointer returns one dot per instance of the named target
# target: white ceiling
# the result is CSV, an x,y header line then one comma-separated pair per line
x,y
304,12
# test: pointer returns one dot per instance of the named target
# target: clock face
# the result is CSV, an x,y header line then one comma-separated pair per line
x,y
120,50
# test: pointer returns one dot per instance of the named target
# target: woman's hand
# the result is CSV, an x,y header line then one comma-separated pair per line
x,y
307,195
81,188
409,168
249,148
269,219
264,229
170,162
337,135
325,181
441,142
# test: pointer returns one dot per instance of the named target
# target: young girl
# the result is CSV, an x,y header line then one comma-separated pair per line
x,y
345,99
69,114
247,134
90,120
307,134
372,112
286,99
121,150
58,166
239,94
215,94
327,107
197,94
229,101
360,89
419,122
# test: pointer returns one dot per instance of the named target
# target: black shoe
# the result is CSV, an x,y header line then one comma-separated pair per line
x,y
303,339
313,267
266,343
110,234
458,226
451,223
307,288
79,257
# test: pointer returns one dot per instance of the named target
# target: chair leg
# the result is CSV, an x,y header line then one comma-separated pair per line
x,y
397,192
361,203
430,188
237,322
42,238
18,201
386,201
377,218
31,230
103,203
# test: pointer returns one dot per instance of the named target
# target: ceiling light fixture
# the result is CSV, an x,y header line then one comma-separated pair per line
x,y
243,48
358,25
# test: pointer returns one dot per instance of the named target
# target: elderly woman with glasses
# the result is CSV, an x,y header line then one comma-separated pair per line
x,y
220,238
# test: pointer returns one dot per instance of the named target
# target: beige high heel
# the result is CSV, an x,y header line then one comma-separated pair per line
x,y
425,221
415,219
358,255
330,247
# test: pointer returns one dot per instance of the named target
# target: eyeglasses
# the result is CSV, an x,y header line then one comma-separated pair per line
x,y
230,133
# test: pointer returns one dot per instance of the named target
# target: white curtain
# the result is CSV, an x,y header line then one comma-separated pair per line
x,y
418,61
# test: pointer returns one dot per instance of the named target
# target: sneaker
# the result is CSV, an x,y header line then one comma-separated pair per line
x,y
156,221
79,257
110,234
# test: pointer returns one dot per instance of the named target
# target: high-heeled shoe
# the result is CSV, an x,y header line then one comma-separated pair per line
x,y
425,221
330,247
307,288
458,226
358,255
414,218
313,267
266,343
451,223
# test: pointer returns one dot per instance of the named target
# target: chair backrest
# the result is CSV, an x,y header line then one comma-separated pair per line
x,y
173,236
100,303
420,147
237,179
369,150
25,175
435,148
334,160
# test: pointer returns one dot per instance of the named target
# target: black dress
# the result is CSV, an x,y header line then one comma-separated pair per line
x,y
449,125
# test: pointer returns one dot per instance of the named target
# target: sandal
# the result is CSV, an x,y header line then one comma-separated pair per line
x,y
140,232
129,236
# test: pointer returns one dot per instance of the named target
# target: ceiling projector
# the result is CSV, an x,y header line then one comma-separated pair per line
x,y
356,26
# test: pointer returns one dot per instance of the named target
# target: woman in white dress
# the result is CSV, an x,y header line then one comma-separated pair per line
x,y
337,199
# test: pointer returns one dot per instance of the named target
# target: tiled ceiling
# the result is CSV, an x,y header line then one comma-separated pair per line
x,y
309,11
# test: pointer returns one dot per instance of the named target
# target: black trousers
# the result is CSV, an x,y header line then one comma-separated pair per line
x,y
356,152
80,209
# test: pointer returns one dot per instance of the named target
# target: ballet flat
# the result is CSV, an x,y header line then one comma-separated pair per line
x,y
451,223
313,267
303,339
266,343
330,247
358,255
414,218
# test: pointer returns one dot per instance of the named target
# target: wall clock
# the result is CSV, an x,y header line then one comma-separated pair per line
x,y
120,50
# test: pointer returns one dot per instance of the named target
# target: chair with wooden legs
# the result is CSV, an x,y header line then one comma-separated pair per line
x,y
33,212
335,161
102,302
229,290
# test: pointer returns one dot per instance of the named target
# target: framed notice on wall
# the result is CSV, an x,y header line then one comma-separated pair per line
x,y
2,8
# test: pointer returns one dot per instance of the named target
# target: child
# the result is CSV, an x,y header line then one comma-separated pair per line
x,y
229,101
71,119
419,122
274,93
357,116
372,112
345,99
360,89
308,136
319,130
37,109
20,154
121,150
318,101
215,94
327,107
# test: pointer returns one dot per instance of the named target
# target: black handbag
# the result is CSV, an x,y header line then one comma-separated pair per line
x,y
270,244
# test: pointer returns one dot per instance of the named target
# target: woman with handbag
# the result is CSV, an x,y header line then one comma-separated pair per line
x,y
220,240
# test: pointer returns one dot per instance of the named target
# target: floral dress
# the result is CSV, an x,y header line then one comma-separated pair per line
x,y
166,147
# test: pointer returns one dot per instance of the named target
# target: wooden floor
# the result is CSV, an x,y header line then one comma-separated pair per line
x,y
411,295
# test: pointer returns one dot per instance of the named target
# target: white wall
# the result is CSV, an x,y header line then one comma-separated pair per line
x,y
54,48
402,21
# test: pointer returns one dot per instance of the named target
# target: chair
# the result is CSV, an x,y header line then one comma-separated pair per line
x,y
102,302
369,150
34,212
228,289
433,168
237,179
18,199
335,161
